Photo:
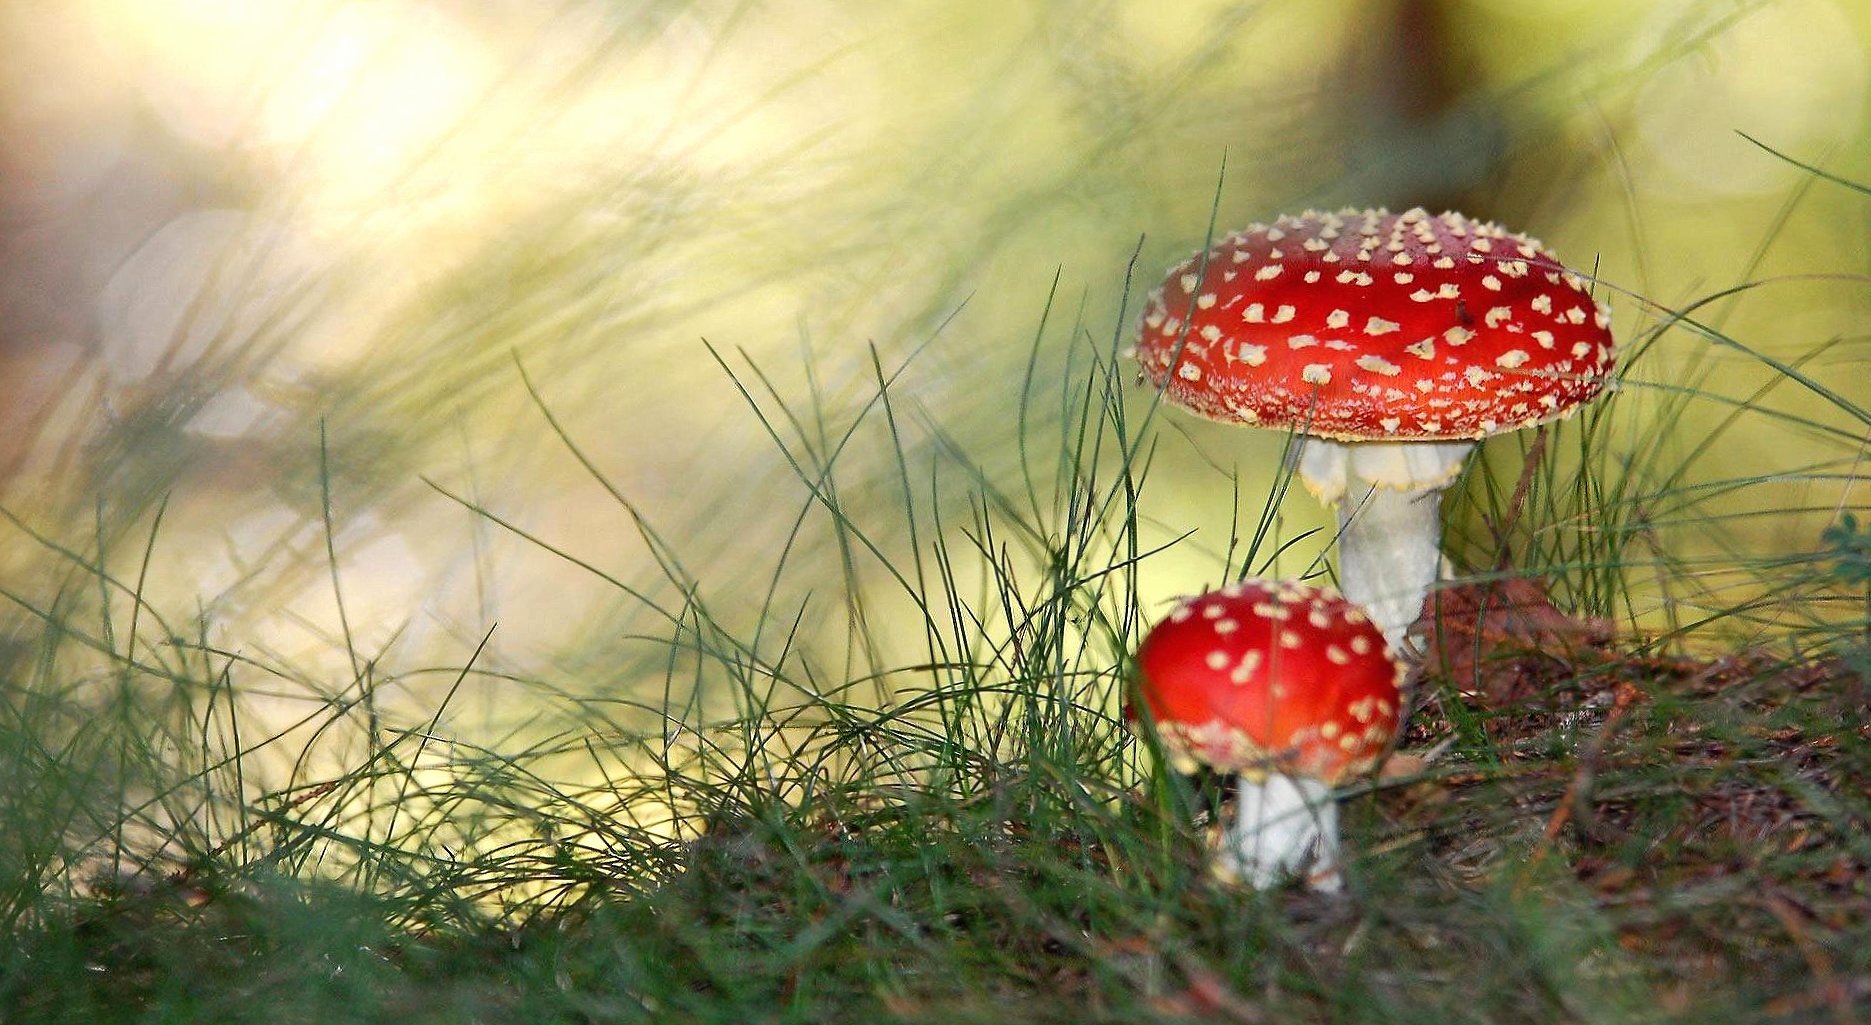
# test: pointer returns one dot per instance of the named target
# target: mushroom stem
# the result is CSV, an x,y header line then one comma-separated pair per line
x,y
1387,497
1283,826
1389,555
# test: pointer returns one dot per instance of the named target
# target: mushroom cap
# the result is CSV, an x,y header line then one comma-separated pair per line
x,y
1265,676
1367,325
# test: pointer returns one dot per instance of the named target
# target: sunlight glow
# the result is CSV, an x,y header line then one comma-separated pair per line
x,y
375,90
1793,74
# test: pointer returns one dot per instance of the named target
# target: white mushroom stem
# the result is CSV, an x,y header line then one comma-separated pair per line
x,y
1389,555
1387,496
1284,826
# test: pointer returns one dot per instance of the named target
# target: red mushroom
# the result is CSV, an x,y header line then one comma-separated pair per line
x,y
1292,687
1395,341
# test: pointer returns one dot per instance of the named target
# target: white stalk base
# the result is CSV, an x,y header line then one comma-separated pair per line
x,y
1284,826
1389,521
1389,555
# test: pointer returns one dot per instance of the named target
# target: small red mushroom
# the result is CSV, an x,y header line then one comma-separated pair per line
x,y
1288,685
1395,342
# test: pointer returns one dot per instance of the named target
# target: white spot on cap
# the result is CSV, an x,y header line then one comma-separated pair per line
x,y
1189,372
1337,319
1457,335
1226,626
1329,730
1511,359
1290,639
1269,272
1252,355
1379,365
1390,424
1491,283
1403,277
1282,314
1477,376
1205,300
1210,333
1301,341
1422,349
1316,373
1497,316
1449,290
1579,349
1542,303
1380,326
1250,661
1255,313
1218,660
1312,277
1188,282
1422,295
1545,338
1337,655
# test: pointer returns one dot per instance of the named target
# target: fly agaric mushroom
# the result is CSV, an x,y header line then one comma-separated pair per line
x,y
1395,342
1288,685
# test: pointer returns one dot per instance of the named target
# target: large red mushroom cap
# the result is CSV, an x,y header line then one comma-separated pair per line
x,y
1373,326
1265,677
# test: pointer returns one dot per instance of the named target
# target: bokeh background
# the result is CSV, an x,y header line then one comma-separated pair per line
x,y
228,229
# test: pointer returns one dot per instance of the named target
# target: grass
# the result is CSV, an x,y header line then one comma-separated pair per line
x,y
1637,815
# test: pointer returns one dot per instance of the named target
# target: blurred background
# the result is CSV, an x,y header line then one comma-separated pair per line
x,y
227,227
